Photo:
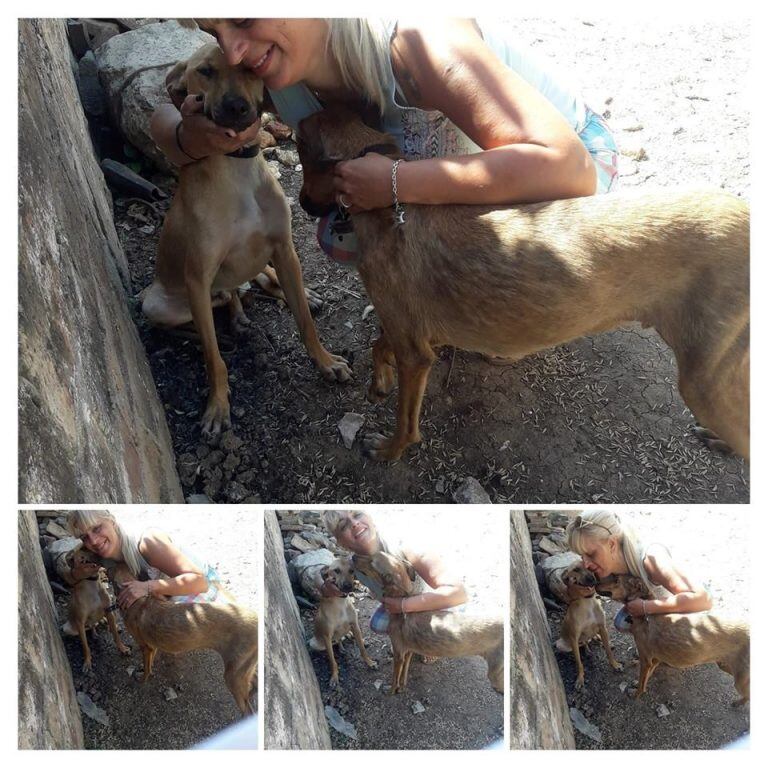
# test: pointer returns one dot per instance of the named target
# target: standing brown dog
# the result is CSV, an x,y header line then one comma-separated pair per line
x,y
336,616
584,619
683,639
228,219
432,633
229,629
89,604
510,281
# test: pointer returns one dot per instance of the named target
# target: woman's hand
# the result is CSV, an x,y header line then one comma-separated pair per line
x,y
365,183
329,589
394,604
637,608
131,592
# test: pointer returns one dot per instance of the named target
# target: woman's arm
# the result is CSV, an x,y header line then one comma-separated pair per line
x,y
687,596
184,577
448,589
199,137
531,153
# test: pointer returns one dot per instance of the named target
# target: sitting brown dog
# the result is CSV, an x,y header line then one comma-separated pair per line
x,y
228,219
510,281
89,603
683,639
336,616
432,633
233,631
584,619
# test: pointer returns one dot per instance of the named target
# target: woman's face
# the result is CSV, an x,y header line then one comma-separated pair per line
x,y
357,533
281,52
602,556
102,540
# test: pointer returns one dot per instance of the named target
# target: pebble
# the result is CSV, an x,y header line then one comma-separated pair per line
x,y
471,492
235,492
662,711
170,694
349,426
582,725
418,708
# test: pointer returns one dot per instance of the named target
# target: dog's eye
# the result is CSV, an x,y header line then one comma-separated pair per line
x,y
336,570
206,71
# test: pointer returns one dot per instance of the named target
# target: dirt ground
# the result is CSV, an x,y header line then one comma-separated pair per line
x,y
140,716
596,420
706,543
461,710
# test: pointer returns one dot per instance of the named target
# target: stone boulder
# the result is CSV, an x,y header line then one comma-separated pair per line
x,y
49,717
91,427
539,717
132,69
294,716
554,568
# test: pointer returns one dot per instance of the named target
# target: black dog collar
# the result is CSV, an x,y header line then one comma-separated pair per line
x,y
111,608
246,152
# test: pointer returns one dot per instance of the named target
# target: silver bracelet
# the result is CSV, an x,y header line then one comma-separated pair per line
x,y
399,210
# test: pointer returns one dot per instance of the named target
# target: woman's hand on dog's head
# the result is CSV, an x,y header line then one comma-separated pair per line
x,y
131,592
201,137
365,182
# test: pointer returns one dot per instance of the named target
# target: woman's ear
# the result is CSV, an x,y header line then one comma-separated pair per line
x,y
176,83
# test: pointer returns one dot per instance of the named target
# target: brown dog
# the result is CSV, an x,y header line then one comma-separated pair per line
x,y
89,603
229,629
683,639
584,619
432,633
228,219
510,281
336,616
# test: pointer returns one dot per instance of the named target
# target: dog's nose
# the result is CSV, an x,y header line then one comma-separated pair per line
x,y
235,106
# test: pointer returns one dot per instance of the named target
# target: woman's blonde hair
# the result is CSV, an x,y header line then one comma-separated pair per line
x,y
601,525
81,520
360,48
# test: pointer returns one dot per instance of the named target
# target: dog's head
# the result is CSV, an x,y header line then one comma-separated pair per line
x,y
82,563
394,574
579,582
340,572
623,588
232,96
326,138
120,574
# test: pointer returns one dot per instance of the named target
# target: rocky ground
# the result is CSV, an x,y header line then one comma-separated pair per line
x,y
596,420
186,700
448,704
681,709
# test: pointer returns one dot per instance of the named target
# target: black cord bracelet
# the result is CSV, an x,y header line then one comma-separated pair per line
x,y
178,143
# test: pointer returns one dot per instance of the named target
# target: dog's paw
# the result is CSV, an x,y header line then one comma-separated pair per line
x,y
618,667
380,448
240,323
314,300
712,440
124,650
334,681
372,664
216,417
335,368
579,683
87,667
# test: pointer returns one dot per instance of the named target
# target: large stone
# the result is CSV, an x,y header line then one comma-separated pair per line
x,y
91,427
294,716
553,569
49,717
132,68
539,717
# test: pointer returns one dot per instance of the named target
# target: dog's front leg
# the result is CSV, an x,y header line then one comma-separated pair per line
x,y
288,267
579,666
199,281
87,664
618,666
332,660
149,656
383,378
361,645
412,374
121,647
647,666
406,668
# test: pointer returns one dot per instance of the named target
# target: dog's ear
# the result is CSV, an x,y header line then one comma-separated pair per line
x,y
324,571
176,83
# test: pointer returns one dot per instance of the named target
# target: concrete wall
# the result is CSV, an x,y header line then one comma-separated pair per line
x,y
49,717
294,716
91,428
539,717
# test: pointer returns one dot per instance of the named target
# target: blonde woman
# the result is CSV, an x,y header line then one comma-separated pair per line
x,y
480,118
160,568
435,587
609,546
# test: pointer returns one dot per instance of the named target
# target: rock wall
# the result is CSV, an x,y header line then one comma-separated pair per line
x,y
539,717
49,717
91,427
294,716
